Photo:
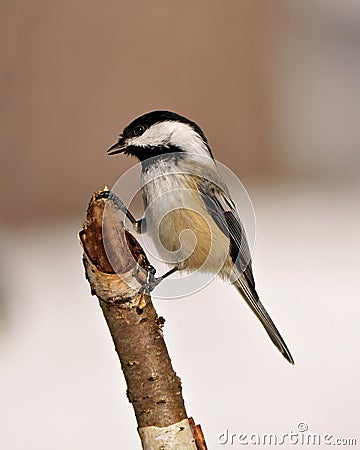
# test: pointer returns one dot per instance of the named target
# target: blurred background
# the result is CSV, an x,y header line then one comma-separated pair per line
x,y
275,86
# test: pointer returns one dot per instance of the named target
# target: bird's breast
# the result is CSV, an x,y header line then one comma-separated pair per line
x,y
180,226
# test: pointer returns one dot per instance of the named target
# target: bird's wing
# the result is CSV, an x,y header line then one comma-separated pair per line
x,y
223,211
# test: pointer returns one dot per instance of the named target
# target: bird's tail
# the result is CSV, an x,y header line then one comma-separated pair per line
x,y
252,299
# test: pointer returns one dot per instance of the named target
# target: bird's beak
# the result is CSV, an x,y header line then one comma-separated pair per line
x,y
119,147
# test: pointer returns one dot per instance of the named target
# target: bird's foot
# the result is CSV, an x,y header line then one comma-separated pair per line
x,y
153,281
139,225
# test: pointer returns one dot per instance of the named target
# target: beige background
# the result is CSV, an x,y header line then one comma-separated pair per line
x,y
275,86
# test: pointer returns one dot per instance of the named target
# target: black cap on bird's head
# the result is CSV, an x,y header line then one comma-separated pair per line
x,y
160,132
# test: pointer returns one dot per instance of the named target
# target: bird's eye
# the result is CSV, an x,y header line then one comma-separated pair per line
x,y
138,130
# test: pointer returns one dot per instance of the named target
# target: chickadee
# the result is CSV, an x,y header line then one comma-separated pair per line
x,y
189,212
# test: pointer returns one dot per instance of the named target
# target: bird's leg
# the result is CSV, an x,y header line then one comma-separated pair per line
x,y
139,225
153,281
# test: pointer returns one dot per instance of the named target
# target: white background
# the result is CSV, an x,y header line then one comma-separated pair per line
x,y
61,384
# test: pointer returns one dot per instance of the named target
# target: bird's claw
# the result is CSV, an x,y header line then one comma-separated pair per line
x,y
139,225
153,281
118,203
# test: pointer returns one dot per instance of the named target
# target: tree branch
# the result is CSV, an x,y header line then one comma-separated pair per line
x,y
116,268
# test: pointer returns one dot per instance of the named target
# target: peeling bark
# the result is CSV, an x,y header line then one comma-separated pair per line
x,y
153,387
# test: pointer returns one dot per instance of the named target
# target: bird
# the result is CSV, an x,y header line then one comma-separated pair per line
x,y
189,212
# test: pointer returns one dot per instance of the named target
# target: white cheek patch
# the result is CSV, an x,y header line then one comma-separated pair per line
x,y
154,136
171,133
